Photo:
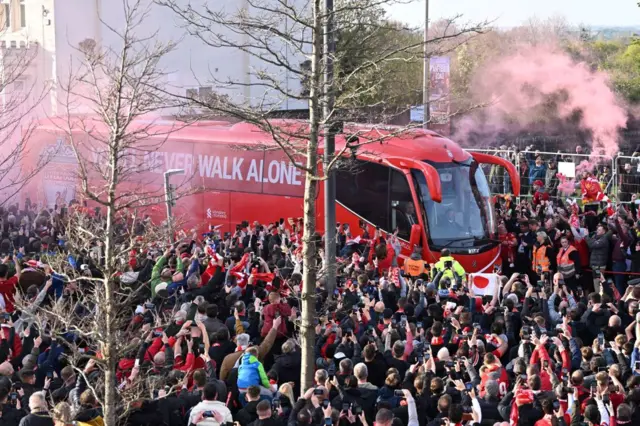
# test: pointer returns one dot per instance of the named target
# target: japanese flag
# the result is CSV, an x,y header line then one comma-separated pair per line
x,y
483,284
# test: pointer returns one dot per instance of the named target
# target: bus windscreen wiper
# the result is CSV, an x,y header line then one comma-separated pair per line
x,y
457,240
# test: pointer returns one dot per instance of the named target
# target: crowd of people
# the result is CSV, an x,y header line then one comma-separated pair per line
x,y
543,168
556,344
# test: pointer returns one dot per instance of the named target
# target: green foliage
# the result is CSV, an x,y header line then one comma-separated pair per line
x,y
621,59
378,62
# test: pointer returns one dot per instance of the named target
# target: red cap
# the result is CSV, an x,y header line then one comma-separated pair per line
x,y
538,183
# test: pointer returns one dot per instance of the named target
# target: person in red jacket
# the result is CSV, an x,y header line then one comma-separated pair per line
x,y
508,244
540,194
275,308
551,411
8,285
16,344
384,253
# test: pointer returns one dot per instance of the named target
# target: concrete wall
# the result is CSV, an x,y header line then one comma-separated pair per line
x,y
60,25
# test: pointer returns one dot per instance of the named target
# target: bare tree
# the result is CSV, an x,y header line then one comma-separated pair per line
x,y
20,97
288,43
110,100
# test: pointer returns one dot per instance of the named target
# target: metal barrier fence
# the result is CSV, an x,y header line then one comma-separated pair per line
x,y
547,168
568,164
626,177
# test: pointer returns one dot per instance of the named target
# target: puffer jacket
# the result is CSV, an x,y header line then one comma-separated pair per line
x,y
251,373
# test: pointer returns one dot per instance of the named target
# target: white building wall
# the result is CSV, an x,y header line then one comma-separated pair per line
x,y
58,26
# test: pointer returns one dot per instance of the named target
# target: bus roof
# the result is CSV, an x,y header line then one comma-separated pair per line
x,y
375,141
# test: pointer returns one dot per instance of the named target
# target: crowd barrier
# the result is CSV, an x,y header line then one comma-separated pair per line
x,y
626,177
610,171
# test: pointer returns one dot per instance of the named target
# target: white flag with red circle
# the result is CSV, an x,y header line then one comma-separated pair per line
x,y
484,284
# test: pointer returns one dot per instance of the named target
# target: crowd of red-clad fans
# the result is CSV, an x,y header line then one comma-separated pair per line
x,y
410,344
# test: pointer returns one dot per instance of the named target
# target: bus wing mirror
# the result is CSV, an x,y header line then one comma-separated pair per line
x,y
430,174
499,161
415,236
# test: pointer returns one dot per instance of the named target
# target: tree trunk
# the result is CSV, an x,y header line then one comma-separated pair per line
x,y
110,349
307,331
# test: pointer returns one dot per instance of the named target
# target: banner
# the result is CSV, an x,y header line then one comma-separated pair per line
x,y
483,284
439,96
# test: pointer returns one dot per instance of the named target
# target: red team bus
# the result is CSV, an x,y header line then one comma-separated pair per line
x,y
424,185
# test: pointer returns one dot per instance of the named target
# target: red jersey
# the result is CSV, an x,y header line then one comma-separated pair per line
x,y
490,374
592,191
508,243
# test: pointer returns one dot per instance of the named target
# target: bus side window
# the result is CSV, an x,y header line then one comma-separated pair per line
x,y
364,190
403,213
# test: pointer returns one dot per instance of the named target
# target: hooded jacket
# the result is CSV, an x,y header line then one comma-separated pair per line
x,y
230,360
251,372
156,277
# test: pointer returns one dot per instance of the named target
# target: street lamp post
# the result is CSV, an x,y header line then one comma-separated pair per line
x,y
425,73
168,196
329,49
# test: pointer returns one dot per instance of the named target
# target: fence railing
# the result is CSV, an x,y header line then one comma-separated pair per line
x,y
626,177
570,165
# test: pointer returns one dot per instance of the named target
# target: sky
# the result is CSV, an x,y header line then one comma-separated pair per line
x,y
509,13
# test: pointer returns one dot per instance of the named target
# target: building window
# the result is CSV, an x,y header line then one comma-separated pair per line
x,y
23,14
201,93
205,92
192,93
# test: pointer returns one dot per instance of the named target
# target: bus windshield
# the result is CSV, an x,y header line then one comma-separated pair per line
x,y
465,217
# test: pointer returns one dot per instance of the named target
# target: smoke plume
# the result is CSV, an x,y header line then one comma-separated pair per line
x,y
543,88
